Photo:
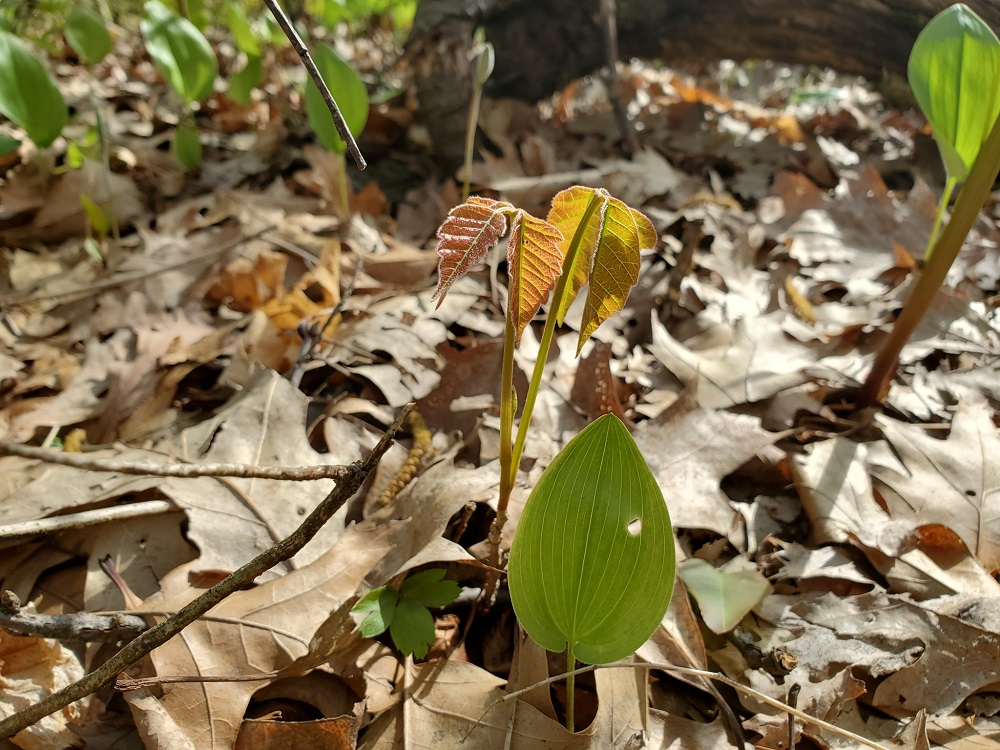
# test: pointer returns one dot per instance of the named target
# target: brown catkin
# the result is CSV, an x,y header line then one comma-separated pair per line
x,y
421,447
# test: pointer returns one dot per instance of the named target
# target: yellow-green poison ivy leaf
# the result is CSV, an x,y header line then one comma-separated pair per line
x,y
953,70
592,561
534,262
608,237
465,236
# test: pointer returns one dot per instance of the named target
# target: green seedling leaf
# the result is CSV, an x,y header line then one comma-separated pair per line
x,y
724,597
180,52
239,27
100,220
87,34
187,146
93,250
534,262
954,71
465,236
8,144
484,64
379,608
592,562
412,628
28,95
349,92
242,84
429,589
609,237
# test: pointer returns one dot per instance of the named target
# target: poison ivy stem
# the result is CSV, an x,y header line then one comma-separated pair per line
x,y
971,198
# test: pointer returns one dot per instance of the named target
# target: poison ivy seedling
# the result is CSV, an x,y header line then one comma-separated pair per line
x,y
406,613
598,498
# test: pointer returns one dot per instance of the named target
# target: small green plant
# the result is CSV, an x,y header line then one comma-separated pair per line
x,y
592,561
406,613
352,99
87,34
241,84
482,70
29,96
186,61
954,71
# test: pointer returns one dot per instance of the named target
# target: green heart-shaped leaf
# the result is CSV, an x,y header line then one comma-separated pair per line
x,y
592,562
180,52
724,597
954,71
28,95
87,34
348,91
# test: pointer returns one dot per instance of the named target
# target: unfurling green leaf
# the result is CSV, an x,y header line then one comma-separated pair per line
x,y
534,262
28,95
469,232
724,597
603,239
87,34
180,52
954,71
592,562
348,91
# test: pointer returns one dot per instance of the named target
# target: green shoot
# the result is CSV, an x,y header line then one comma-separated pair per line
x,y
484,59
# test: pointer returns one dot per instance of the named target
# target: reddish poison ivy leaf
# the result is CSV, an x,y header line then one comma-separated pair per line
x,y
534,262
466,236
610,236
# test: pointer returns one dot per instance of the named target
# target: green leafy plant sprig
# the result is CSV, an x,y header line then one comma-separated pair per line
x,y
592,561
405,612
954,71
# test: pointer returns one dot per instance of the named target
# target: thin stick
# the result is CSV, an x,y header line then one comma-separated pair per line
x,y
185,471
303,52
353,478
82,626
43,526
711,676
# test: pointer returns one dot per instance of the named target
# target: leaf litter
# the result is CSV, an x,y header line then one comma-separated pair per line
x,y
787,238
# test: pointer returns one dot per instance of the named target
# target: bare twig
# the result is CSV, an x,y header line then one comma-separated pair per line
x,y
739,687
303,52
609,22
43,526
352,479
185,471
81,626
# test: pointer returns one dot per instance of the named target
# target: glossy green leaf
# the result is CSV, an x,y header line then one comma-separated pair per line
x,y
592,561
429,588
348,91
379,608
180,52
87,34
534,262
465,236
28,95
187,146
724,597
239,27
412,628
604,238
954,71
242,84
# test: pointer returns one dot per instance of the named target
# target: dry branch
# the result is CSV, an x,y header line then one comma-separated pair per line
x,y
352,479
80,626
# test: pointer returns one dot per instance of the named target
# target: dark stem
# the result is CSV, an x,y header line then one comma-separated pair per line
x,y
303,52
352,480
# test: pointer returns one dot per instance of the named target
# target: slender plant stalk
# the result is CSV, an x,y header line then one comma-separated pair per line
x,y
949,188
971,198
570,687
470,136
345,204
